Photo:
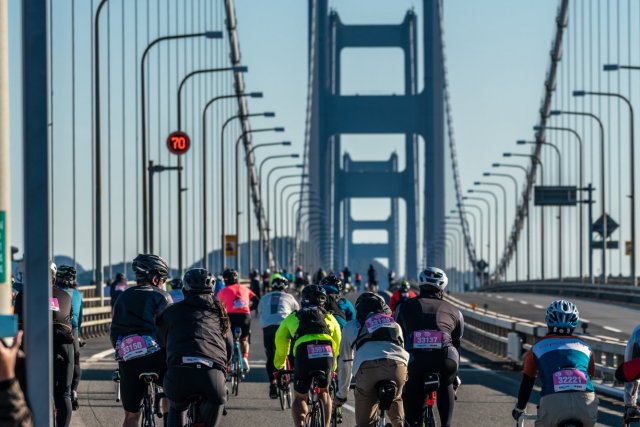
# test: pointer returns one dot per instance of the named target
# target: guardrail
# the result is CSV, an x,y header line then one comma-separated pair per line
x,y
96,319
490,331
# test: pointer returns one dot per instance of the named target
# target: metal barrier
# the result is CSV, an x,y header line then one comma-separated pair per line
x,y
96,319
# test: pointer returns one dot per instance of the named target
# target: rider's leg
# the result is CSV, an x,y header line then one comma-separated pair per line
x,y
326,400
299,408
413,395
131,419
63,376
366,397
446,394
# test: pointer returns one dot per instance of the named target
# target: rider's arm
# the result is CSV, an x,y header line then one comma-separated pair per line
x,y
283,341
345,361
456,336
161,326
228,341
393,301
336,335
529,373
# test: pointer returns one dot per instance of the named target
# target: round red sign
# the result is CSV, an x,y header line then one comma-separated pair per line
x,y
178,143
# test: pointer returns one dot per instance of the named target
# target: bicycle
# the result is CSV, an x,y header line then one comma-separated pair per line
x,y
336,412
284,386
151,399
430,388
193,413
386,390
566,423
115,377
236,363
315,416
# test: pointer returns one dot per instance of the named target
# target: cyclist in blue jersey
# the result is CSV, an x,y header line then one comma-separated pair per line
x,y
565,365
336,304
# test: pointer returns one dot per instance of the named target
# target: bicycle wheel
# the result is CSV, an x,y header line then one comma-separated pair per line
x,y
319,419
288,395
238,376
429,419
148,417
281,397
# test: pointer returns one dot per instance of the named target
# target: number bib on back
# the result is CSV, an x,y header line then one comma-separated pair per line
x,y
131,347
238,303
319,351
54,304
378,321
427,340
569,380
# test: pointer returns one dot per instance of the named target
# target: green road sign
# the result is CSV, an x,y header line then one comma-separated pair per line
x,y
3,252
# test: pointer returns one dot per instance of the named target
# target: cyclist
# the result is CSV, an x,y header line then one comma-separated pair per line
x,y
274,307
433,329
315,335
340,307
117,287
565,365
195,335
66,279
372,277
255,281
346,273
373,344
133,322
238,301
358,279
400,295
632,351
300,277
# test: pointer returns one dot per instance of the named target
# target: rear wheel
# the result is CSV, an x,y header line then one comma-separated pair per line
x,y
281,396
288,395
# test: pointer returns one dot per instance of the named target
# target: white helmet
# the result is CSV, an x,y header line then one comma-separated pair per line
x,y
433,276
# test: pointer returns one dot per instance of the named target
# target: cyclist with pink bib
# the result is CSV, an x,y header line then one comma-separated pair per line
x,y
239,300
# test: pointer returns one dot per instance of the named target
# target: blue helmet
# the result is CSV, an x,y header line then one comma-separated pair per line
x,y
331,284
562,316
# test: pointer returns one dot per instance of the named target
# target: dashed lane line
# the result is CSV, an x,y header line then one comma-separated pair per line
x,y
538,306
510,299
100,355
609,328
523,302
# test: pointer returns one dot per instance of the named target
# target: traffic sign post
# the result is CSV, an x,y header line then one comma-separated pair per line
x,y
178,143
555,195
230,245
628,247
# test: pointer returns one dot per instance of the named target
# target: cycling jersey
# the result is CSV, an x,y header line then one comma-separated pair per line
x,y
76,305
237,298
115,290
399,297
275,306
632,351
287,331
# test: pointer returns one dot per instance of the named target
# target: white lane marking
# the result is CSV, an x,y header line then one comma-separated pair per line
x,y
608,338
585,320
499,296
609,328
510,299
523,302
100,355
538,306
349,408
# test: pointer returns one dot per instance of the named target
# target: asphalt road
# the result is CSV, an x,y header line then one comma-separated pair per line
x,y
605,320
485,398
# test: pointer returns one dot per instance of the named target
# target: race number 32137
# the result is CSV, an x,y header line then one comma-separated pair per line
x,y
178,143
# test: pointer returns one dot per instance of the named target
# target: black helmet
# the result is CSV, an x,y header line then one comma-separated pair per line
x,y
66,275
279,283
230,276
198,281
313,295
120,277
147,266
331,284
404,286
369,302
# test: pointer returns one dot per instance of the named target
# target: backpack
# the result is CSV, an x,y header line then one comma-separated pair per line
x,y
311,321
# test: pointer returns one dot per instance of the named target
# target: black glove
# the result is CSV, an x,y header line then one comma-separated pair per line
x,y
517,413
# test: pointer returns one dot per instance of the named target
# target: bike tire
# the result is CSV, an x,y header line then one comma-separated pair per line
x,y
281,396
148,417
319,414
238,376
429,419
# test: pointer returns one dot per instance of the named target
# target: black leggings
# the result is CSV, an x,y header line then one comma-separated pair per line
x,y
77,372
269,339
413,393
62,378
182,383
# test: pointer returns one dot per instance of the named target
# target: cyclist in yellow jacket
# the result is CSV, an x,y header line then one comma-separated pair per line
x,y
315,335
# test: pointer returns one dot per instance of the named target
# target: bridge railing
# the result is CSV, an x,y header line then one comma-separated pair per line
x,y
490,331
96,318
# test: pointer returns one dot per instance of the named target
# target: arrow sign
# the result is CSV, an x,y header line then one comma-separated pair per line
x,y
598,226
482,265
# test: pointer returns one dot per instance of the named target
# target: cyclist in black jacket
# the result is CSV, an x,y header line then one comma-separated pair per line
x,y
432,328
133,332
195,334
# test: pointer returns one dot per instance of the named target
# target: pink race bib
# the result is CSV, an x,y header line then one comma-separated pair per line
x,y
378,321
132,347
427,340
569,379
319,351
54,304
121,287
238,303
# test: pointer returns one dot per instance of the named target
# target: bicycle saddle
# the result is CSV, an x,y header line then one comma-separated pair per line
x,y
387,390
570,423
148,377
318,375
431,382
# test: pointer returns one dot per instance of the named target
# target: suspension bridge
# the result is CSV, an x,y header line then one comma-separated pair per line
x,y
137,126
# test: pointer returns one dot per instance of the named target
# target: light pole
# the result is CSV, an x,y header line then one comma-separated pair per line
x,y
290,211
153,169
283,222
143,117
453,227
480,229
536,160
269,213
205,203
495,216
247,157
282,213
632,169
581,184
476,230
262,163
504,212
603,193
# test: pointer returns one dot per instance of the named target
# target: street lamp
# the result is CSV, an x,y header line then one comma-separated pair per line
x,y
205,203
632,169
476,230
280,249
603,193
153,169
504,216
275,186
481,220
143,116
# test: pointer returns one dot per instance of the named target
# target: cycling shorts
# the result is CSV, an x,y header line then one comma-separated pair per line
x,y
242,321
303,365
132,389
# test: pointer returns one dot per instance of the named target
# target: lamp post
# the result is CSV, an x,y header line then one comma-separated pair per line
x,y
504,211
581,184
535,159
153,169
632,169
247,158
480,199
143,117
262,163
282,212
453,227
480,229
283,222
476,231
205,203
269,213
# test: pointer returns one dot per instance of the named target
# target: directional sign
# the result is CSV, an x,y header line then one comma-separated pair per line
x,y
230,245
178,143
611,244
555,195
482,265
598,226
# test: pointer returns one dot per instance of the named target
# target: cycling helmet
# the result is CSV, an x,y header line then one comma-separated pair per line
x,y
147,266
562,316
198,281
230,277
368,303
331,284
53,268
279,284
404,286
433,276
313,295
120,277
66,275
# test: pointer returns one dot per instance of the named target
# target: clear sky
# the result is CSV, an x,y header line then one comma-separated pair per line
x,y
497,56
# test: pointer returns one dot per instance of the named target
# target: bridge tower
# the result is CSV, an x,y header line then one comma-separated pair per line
x,y
414,113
